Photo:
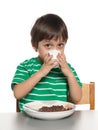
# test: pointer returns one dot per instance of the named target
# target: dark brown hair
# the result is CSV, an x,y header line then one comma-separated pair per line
x,y
47,27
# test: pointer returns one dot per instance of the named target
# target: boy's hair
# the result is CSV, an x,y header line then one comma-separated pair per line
x,y
47,27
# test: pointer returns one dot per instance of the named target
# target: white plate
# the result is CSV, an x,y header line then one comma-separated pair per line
x,y
32,110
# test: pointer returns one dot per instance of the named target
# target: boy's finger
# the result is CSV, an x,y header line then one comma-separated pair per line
x,y
48,58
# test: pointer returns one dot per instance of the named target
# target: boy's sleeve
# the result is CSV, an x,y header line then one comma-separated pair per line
x,y
21,75
76,76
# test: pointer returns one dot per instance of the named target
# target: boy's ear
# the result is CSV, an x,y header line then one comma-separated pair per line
x,y
35,48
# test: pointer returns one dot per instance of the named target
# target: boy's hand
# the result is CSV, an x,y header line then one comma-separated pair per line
x,y
63,64
48,64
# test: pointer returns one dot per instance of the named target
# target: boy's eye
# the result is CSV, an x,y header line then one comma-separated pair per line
x,y
60,44
48,45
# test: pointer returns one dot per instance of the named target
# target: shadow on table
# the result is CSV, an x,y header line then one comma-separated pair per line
x,y
37,124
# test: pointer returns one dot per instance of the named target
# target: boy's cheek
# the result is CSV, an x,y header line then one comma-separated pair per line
x,y
43,56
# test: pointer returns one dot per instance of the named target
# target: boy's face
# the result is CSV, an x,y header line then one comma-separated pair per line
x,y
45,45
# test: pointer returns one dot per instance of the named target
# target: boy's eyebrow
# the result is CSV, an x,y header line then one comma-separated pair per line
x,y
61,42
46,40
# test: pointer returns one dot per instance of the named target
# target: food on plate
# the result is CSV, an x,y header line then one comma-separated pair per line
x,y
55,108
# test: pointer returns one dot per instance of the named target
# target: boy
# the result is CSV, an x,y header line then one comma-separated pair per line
x,y
38,78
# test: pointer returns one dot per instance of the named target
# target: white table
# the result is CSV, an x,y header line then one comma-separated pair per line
x,y
80,120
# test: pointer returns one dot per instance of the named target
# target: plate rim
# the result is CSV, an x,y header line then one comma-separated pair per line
x,y
34,110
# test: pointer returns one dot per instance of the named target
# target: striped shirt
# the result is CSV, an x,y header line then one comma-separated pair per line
x,y
54,86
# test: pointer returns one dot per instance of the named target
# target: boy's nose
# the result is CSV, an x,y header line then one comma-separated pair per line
x,y
54,48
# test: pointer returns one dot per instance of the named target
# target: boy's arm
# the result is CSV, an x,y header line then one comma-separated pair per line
x,y
75,91
22,89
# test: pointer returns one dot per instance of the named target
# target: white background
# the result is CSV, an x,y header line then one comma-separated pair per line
x,y
16,20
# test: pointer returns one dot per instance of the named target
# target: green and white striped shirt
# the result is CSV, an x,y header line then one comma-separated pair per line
x,y
53,86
